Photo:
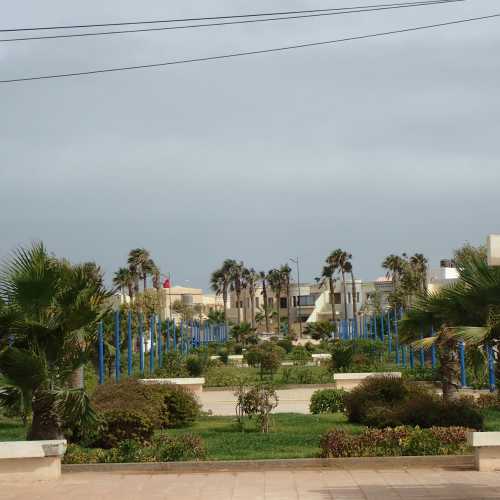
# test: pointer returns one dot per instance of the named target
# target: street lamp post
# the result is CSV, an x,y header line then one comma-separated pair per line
x,y
296,262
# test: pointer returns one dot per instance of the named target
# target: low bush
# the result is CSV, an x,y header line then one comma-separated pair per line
x,y
162,448
181,448
301,356
163,405
374,391
303,375
327,401
286,344
342,356
122,425
487,401
195,365
398,441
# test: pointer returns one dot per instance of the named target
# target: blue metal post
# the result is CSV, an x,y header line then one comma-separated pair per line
x,y
375,327
412,358
101,352
129,343
382,327
141,344
151,344
160,343
463,375
117,346
491,369
167,336
403,356
421,353
174,336
389,334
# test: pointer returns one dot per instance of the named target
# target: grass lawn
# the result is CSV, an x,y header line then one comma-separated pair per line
x,y
11,429
292,436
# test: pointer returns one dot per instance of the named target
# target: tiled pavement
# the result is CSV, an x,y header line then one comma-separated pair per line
x,y
393,484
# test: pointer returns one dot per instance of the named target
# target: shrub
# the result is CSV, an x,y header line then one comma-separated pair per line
x,y
397,441
342,355
121,425
174,449
327,401
303,375
195,365
379,390
301,356
382,417
163,405
257,401
238,348
223,355
486,401
286,344
173,365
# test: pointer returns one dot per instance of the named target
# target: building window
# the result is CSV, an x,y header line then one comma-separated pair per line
x,y
357,297
283,302
349,297
306,300
337,297
269,302
241,304
295,301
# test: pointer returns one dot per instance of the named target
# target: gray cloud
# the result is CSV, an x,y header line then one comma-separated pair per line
x,y
376,146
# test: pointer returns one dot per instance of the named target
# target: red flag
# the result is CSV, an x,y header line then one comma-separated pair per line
x,y
166,283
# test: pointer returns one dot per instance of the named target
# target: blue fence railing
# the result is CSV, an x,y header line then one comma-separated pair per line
x,y
151,340
384,327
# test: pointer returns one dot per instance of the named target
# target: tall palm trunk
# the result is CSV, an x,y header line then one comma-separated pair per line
x,y
278,310
331,284
266,305
245,307
224,299
252,307
238,304
345,294
354,302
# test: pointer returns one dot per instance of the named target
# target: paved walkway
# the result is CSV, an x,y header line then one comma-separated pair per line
x,y
416,484
290,401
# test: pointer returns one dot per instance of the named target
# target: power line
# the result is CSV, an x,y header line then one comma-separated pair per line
x,y
253,52
225,23
212,18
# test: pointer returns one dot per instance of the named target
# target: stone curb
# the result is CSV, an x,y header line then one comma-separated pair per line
x,y
424,462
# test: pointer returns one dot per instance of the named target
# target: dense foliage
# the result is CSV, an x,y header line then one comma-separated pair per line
x,y
398,441
327,401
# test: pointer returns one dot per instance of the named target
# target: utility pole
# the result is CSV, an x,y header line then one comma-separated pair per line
x,y
296,262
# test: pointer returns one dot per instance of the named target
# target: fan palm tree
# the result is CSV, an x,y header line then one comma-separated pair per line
x,y
275,280
338,259
251,279
141,264
394,264
467,311
263,279
348,269
327,275
286,272
47,328
418,263
122,280
236,273
220,282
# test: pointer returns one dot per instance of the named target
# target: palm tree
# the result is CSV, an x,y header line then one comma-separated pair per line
x,y
47,328
141,264
338,259
327,275
286,272
236,272
467,311
395,266
348,269
220,282
418,262
263,277
251,278
122,280
275,280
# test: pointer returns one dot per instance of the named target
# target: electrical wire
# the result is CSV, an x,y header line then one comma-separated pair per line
x,y
253,52
225,23
212,18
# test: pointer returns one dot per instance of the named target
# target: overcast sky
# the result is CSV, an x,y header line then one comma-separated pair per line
x,y
377,146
